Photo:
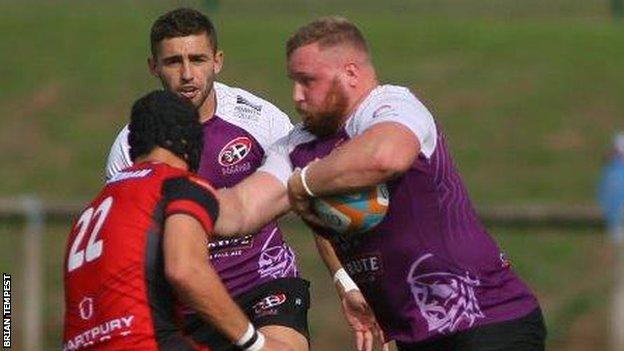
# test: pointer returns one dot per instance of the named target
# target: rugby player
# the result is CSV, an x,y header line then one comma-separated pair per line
x,y
258,269
141,244
433,276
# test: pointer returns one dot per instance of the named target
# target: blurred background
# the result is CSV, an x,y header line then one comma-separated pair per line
x,y
529,93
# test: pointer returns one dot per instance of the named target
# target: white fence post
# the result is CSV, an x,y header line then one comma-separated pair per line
x,y
32,278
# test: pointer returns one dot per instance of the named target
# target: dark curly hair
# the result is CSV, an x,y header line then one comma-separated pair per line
x,y
162,118
181,22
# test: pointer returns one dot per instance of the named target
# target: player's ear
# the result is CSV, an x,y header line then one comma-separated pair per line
x,y
218,61
152,65
352,73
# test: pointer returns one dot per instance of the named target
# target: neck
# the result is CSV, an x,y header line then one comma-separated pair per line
x,y
361,94
209,107
161,155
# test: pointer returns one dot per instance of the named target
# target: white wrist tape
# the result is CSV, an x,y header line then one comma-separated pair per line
x,y
303,173
343,277
258,344
252,340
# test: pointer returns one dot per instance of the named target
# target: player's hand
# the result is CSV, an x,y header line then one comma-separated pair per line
x,y
362,321
271,344
300,201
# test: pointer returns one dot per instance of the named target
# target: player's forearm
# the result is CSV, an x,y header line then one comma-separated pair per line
x,y
381,153
250,205
202,290
188,270
329,257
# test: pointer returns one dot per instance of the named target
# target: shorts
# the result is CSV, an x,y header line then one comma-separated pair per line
x,y
282,302
527,333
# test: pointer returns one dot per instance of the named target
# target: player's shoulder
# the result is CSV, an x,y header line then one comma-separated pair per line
x,y
390,101
235,103
392,95
172,179
297,135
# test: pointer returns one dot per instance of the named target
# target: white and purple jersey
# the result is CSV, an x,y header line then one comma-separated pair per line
x,y
430,268
235,142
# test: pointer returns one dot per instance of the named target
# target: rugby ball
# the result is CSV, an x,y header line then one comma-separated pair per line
x,y
354,213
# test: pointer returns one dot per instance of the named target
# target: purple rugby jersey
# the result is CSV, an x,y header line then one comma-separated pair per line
x,y
235,140
430,268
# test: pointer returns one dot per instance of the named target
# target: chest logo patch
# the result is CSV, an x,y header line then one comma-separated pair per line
x,y
235,151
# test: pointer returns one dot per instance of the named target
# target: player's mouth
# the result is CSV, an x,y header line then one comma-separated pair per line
x,y
188,92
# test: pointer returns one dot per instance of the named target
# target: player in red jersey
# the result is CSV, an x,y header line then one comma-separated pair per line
x,y
141,245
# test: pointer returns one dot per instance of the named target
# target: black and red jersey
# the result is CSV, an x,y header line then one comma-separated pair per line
x,y
116,294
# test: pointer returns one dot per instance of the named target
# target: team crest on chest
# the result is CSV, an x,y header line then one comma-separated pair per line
x,y
235,151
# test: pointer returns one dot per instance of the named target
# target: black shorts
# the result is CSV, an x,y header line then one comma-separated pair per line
x,y
527,333
282,302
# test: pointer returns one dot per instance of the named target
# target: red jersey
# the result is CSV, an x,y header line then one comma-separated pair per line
x,y
116,293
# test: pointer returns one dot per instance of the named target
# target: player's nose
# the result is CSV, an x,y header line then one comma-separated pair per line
x,y
186,72
297,93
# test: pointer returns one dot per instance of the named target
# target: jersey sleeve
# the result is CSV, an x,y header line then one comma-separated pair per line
x,y
403,108
191,196
277,160
119,154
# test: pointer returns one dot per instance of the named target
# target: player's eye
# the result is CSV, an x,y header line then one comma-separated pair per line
x,y
306,80
199,59
172,61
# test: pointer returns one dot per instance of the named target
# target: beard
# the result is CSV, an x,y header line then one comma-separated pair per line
x,y
326,120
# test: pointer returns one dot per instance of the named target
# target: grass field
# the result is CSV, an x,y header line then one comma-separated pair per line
x,y
529,93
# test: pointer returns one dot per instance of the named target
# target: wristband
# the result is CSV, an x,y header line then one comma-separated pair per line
x,y
303,181
256,345
343,277
252,340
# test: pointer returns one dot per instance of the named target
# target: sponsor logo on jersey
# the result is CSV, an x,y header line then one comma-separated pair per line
x,y
239,168
242,101
277,261
220,243
447,301
115,327
86,308
384,111
129,175
235,151
364,268
247,110
268,304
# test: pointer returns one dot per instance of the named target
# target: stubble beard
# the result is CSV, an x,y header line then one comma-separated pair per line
x,y
327,121
197,101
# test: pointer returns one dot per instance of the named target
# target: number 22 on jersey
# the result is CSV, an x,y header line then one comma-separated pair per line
x,y
80,254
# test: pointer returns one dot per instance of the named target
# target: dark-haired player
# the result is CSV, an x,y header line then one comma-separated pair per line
x,y
142,243
259,270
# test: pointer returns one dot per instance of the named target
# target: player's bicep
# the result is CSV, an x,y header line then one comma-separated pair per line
x,y
184,245
405,112
387,146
